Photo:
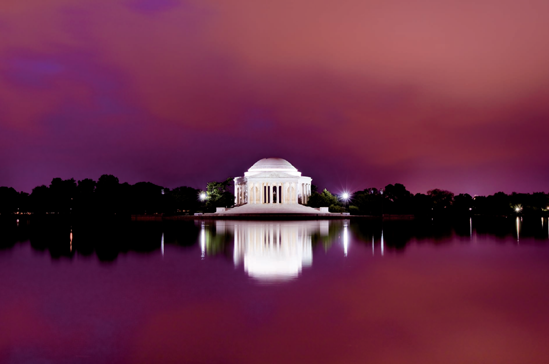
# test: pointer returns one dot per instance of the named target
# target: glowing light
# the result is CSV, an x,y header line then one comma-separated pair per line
x,y
518,229
162,244
345,239
274,252
203,240
382,243
345,196
202,196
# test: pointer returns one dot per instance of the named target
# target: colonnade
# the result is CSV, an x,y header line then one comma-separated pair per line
x,y
272,193
305,192
240,195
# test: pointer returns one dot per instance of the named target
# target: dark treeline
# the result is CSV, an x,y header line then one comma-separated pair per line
x,y
396,199
106,196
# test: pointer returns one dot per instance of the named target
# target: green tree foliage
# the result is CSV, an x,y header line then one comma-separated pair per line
x,y
218,195
325,199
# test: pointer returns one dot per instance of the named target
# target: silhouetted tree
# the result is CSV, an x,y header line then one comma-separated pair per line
x,y
366,202
397,199
107,193
185,200
40,200
62,193
463,204
441,199
9,200
147,198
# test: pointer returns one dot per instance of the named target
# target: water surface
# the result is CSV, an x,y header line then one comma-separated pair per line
x,y
276,292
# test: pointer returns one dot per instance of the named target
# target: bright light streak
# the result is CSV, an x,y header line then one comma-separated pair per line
x,y
518,229
345,239
162,244
203,240
382,243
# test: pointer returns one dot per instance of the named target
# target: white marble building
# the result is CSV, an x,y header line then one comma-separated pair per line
x,y
272,181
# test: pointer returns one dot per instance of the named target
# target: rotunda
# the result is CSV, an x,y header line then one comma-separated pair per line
x,y
272,181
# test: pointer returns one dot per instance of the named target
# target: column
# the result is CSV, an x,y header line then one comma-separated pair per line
x,y
271,193
236,196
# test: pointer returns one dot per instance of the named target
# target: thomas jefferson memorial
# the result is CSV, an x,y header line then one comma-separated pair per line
x,y
272,181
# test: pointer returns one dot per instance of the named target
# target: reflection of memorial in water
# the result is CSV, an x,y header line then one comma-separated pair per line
x,y
276,250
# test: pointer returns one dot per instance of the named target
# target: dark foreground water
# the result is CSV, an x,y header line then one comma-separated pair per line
x,y
276,292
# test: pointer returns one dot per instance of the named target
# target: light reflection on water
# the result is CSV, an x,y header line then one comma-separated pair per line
x,y
269,251
188,292
251,242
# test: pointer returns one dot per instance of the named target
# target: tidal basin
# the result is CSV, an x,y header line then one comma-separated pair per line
x,y
318,291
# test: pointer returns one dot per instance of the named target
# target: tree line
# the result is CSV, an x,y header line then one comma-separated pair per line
x,y
107,196
396,199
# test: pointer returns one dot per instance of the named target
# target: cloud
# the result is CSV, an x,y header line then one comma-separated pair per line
x,y
374,93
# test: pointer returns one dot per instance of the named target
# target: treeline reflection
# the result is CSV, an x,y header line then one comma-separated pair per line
x,y
106,241
253,243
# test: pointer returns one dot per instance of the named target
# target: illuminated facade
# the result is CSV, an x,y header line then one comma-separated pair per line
x,y
275,251
272,181
271,250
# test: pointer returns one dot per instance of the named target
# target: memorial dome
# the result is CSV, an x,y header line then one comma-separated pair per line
x,y
272,181
272,164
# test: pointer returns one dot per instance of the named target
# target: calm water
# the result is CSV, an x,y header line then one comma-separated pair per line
x,y
276,292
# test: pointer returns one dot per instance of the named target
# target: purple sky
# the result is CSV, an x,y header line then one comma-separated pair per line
x,y
354,93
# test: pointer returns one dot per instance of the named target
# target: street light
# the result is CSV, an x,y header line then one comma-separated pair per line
x,y
202,196
345,197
